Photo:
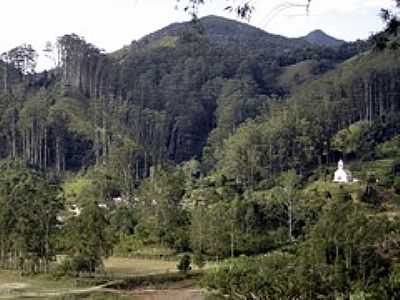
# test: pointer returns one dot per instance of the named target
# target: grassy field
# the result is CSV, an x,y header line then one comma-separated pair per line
x,y
123,266
135,266
15,286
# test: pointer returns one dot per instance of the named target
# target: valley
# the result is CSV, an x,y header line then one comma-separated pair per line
x,y
209,158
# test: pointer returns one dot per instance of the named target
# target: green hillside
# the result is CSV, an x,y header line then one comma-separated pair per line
x,y
209,141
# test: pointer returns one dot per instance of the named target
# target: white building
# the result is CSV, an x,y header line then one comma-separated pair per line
x,y
341,174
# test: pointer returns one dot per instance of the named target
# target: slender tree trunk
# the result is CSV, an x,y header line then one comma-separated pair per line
x,y
6,77
58,155
145,164
290,219
232,243
47,247
14,131
45,150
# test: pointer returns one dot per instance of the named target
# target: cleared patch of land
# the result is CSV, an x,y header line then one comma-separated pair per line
x,y
136,266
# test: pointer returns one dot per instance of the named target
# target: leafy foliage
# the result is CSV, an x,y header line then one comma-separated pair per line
x,y
28,221
340,257
184,264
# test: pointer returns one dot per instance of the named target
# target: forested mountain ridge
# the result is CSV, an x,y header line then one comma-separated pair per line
x,y
163,98
247,52
363,90
225,32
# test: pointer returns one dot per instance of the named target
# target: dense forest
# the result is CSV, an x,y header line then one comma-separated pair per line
x,y
212,138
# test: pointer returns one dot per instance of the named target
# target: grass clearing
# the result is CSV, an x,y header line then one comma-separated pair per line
x,y
136,266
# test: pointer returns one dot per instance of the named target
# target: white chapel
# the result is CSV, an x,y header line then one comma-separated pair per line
x,y
341,174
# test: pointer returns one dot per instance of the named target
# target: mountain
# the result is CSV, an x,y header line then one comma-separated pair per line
x,y
318,37
230,34
185,67
172,94
224,32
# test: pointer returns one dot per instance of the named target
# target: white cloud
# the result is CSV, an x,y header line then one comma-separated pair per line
x,y
379,3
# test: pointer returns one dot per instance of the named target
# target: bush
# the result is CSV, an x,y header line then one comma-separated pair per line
x,y
198,260
184,264
396,186
63,269
371,195
389,287
127,245
389,148
341,257
267,277
77,264
86,264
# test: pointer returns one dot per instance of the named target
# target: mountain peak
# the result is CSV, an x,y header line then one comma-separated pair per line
x,y
226,32
319,37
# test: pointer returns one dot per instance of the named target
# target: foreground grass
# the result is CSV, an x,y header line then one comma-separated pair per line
x,y
38,282
133,278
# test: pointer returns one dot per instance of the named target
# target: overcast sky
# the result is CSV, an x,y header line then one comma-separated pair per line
x,y
110,24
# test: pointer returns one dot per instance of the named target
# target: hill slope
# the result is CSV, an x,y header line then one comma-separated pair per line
x,y
318,37
223,32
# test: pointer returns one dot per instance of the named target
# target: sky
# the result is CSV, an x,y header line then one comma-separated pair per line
x,y
111,24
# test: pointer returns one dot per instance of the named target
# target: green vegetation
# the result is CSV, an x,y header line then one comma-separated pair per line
x,y
30,205
134,266
205,142
184,264
339,258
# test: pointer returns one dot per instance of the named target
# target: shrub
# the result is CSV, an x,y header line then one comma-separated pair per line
x,y
268,277
85,264
184,264
127,245
396,186
389,148
77,264
198,260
